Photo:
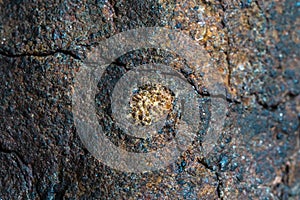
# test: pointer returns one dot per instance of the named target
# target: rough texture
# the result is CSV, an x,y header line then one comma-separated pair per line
x,y
149,103
254,44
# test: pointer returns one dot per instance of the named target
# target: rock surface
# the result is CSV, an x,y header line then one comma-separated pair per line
x,y
254,44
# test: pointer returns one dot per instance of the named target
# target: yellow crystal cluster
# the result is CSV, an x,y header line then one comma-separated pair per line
x,y
150,103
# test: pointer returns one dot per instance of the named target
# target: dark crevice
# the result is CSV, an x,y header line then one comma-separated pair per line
x,y
220,186
274,107
219,179
287,172
264,105
202,161
204,93
222,5
43,54
227,52
228,67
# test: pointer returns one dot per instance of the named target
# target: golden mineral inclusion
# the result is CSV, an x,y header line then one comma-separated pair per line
x,y
150,103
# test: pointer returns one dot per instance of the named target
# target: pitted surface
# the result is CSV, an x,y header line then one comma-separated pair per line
x,y
255,46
